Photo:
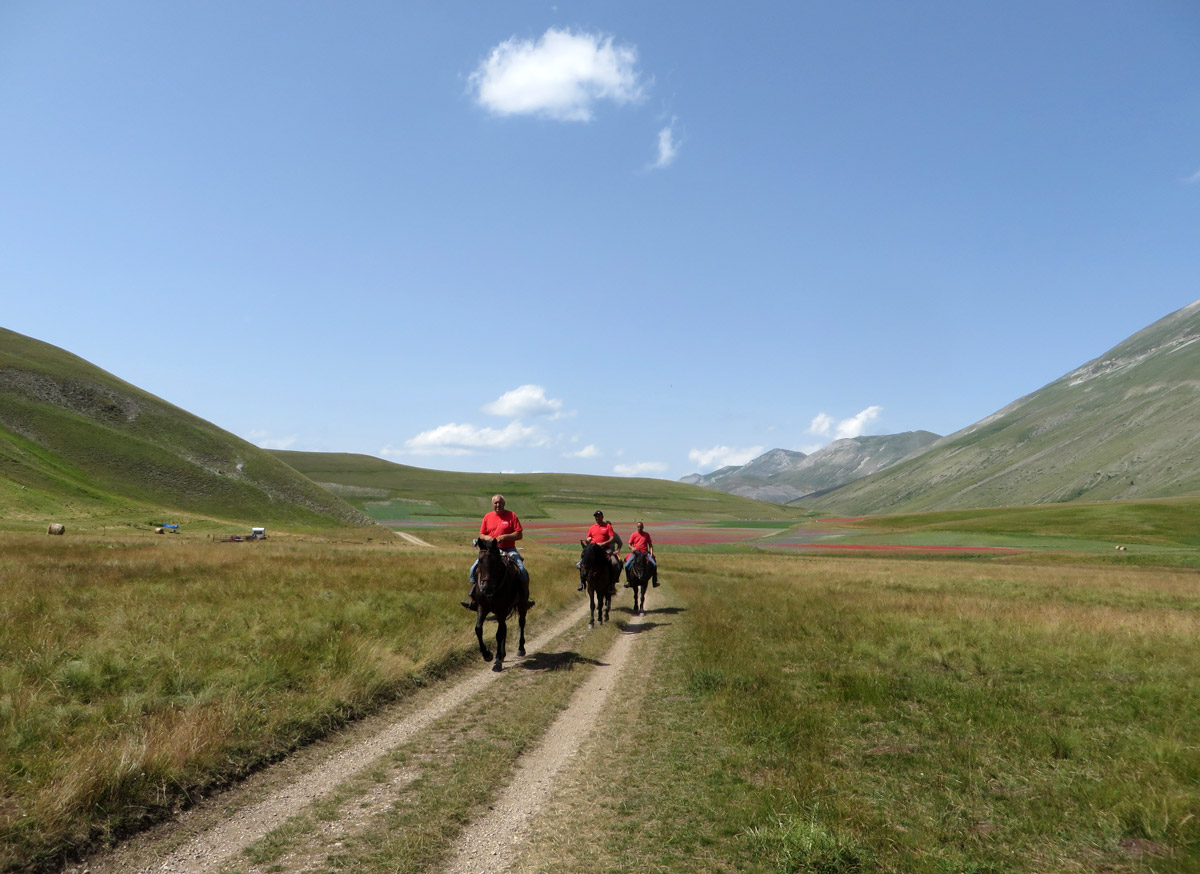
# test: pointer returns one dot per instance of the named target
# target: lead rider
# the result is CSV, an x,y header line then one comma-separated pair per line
x,y
504,527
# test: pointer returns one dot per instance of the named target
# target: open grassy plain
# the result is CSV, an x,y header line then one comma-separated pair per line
x,y
794,712
389,492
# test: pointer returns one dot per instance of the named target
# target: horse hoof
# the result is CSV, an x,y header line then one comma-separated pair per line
x,y
521,652
487,656
497,667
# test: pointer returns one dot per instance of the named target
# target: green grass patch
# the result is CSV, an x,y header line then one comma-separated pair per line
x,y
135,673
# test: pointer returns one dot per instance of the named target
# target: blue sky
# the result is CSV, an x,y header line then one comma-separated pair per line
x,y
633,238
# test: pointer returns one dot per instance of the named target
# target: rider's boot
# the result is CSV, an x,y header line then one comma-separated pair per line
x,y
470,602
654,579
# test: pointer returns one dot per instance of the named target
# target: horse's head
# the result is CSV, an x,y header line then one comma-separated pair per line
x,y
592,556
489,574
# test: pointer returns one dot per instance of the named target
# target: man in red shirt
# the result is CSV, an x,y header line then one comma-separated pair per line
x,y
640,541
602,534
504,527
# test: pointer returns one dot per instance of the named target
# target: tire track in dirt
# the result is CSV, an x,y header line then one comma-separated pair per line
x,y
485,843
216,846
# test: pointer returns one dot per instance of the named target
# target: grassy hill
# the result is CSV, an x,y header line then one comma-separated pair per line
x,y
392,492
1124,426
78,443
1162,522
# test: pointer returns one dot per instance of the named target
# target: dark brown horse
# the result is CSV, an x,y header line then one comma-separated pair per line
x,y
599,573
639,573
499,590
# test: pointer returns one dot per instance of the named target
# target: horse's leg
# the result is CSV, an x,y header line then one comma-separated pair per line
x,y
591,607
522,606
501,635
483,650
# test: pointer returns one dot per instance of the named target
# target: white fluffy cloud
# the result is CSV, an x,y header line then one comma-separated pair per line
x,y
455,439
264,440
668,147
560,76
589,451
722,456
524,401
641,468
826,426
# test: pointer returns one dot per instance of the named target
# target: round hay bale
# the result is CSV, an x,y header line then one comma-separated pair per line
x,y
56,528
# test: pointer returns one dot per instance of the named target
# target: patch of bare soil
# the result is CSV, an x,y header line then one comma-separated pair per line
x,y
487,843
413,539
216,832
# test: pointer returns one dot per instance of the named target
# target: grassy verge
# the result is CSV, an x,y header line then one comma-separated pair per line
x,y
449,775
846,715
134,673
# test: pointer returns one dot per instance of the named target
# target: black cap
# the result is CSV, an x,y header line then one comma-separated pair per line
x,y
598,513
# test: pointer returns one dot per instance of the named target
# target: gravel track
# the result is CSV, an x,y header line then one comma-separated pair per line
x,y
487,841
205,839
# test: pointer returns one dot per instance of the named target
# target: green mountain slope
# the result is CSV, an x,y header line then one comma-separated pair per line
x,y
392,492
77,442
1126,425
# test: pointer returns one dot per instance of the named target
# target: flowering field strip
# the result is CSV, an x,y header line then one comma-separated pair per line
x,y
892,547
675,533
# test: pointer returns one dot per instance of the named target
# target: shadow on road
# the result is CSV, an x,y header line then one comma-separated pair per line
x,y
665,611
556,661
638,626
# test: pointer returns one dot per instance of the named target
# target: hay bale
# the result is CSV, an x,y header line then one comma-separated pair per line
x,y
56,528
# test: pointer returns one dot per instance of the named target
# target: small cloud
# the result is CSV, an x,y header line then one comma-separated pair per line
x,y
723,456
589,451
264,440
641,468
561,76
456,439
822,425
825,425
524,401
668,147
1195,177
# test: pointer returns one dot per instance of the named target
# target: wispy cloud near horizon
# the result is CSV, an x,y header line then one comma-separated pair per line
x,y
825,425
640,468
524,401
723,456
465,439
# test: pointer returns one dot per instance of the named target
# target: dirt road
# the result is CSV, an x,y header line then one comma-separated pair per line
x,y
215,836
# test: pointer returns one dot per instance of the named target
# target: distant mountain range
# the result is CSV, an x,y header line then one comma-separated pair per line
x,y
782,476
76,441
1124,425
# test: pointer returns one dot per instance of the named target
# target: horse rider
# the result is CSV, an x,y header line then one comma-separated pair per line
x,y
504,527
602,534
640,541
